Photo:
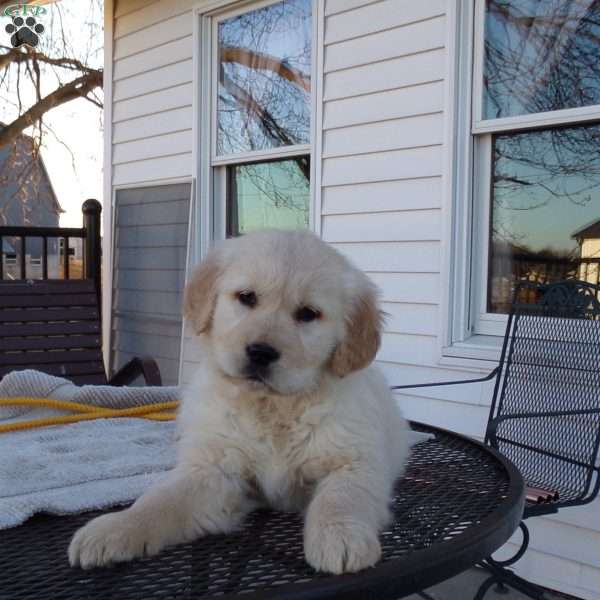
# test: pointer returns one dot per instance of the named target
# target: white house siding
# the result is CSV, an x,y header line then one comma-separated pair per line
x,y
383,201
152,91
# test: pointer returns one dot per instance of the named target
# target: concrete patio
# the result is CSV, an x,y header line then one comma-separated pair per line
x,y
465,586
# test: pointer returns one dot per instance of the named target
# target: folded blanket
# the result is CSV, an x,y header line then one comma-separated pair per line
x,y
82,466
67,469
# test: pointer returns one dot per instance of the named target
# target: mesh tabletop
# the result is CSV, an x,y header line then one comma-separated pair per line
x,y
457,503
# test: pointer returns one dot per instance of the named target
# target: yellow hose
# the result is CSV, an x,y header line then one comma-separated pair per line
x,y
155,412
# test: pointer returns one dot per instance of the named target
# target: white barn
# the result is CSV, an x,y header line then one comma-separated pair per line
x,y
419,138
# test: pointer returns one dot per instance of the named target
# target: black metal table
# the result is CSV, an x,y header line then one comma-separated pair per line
x,y
457,503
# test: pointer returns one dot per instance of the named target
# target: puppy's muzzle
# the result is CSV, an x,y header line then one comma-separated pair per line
x,y
261,355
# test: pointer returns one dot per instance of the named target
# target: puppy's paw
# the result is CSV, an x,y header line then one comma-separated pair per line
x,y
116,537
341,547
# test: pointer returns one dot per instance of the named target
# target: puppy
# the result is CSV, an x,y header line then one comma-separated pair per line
x,y
284,411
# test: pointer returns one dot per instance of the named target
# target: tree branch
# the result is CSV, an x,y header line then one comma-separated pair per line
x,y
22,54
259,60
265,120
94,101
77,88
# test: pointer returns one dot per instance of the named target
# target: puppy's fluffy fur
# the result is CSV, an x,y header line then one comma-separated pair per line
x,y
309,427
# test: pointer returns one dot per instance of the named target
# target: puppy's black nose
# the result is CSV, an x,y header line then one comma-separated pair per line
x,y
261,354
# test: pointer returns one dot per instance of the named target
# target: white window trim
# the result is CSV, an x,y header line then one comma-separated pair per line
x,y
472,335
458,347
557,117
107,189
211,222
259,155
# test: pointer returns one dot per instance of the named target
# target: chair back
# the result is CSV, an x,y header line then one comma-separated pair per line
x,y
52,326
545,413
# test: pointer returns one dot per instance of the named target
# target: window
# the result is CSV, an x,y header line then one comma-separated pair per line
x,y
536,149
261,116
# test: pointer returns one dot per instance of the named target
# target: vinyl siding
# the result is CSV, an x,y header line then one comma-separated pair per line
x,y
150,243
382,199
384,68
152,91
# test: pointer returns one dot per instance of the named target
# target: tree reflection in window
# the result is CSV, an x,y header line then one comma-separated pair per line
x,y
545,209
540,55
267,194
264,78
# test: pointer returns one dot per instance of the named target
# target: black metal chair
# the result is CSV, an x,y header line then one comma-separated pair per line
x,y
545,413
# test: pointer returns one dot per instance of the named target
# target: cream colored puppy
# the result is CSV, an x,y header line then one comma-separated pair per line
x,y
285,410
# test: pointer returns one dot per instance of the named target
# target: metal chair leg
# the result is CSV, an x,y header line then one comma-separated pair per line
x,y
518,554
501,588
506,577
484,587
503,576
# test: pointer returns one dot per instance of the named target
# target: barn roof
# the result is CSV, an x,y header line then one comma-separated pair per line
x,y
591,230
5,153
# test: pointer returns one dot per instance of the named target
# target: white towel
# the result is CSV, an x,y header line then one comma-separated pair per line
x,y
83,466
67,469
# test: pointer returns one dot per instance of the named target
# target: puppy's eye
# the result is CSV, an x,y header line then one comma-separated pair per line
x,y
306,314
247,298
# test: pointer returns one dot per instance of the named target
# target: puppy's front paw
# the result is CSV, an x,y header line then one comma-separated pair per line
x,y
116,537
341,547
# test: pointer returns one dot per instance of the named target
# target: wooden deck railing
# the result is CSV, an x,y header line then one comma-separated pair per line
x,y
90,240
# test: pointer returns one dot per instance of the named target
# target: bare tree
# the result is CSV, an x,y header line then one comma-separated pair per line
x,y
64,65
35,80
263,95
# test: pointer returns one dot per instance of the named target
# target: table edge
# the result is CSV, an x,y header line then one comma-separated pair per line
x,y
382,581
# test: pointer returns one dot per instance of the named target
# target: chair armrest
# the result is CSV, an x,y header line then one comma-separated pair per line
x,y
489,376
144,366
493,424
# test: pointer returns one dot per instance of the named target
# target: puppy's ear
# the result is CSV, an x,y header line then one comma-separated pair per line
x,y
363,334
201,293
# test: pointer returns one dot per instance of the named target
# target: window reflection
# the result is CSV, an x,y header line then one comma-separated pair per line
x,y
264,78
545,218
269,194
540,55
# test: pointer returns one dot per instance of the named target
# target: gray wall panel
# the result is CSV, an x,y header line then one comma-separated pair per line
x,y
151,229
147,303
151,236
150,258
159,193
156,213
149,280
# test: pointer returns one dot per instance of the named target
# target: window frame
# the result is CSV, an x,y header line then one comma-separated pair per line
x,y
254,155
210,168
472,332
220,194
520,122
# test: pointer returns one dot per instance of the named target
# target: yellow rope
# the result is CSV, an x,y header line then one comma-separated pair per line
x,y
155,412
